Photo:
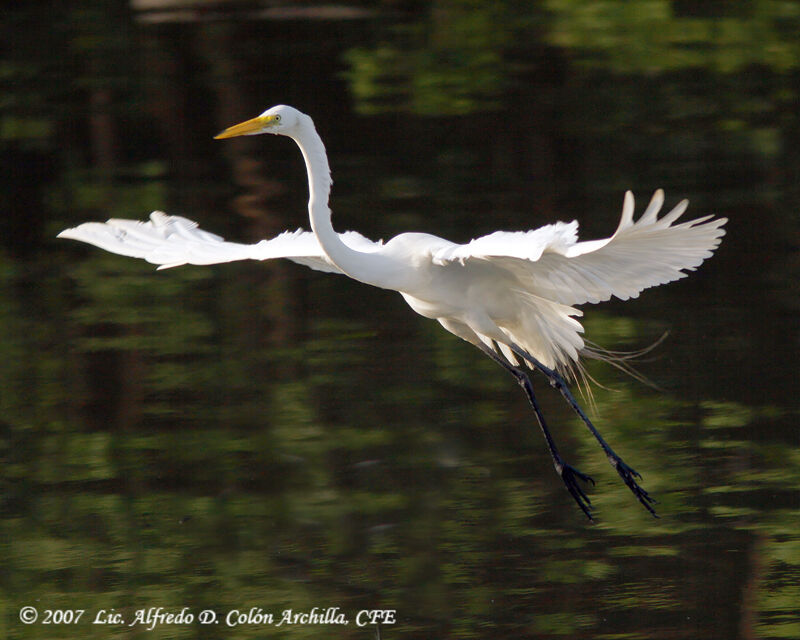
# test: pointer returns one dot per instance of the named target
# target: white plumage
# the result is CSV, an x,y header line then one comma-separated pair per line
x,y
512,294
545,271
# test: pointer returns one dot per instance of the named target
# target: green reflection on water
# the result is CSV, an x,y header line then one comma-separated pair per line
x,y
657,35
199,438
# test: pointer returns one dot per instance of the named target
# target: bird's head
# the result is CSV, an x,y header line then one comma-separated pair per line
x,y
280,120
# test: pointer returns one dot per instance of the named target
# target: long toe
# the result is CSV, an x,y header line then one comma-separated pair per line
x,y
570,476
629,476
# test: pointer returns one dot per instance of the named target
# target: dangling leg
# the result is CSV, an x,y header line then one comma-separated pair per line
x,y
627,474
569,474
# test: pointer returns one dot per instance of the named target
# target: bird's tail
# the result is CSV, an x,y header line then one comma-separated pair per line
x,y
621,360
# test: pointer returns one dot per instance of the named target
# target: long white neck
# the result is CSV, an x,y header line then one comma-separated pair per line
x,y
371,268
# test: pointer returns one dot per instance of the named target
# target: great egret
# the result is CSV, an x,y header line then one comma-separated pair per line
x,y
511,294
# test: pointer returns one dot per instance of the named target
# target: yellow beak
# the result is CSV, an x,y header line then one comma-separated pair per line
x,y
247,128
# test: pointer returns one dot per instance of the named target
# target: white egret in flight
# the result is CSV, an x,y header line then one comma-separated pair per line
x,y
511,294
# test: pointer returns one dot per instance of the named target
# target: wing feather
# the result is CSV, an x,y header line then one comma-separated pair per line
x,y
171,241
552,264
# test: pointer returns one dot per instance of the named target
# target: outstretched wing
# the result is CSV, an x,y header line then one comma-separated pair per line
x,y
641,254
171,241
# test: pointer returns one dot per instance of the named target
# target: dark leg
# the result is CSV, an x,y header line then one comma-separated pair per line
x,y
569,474
627,474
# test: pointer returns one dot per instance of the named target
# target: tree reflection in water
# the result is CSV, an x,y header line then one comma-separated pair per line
x,y
159,447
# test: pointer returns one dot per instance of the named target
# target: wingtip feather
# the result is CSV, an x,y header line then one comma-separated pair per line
x,y
651,212
626,220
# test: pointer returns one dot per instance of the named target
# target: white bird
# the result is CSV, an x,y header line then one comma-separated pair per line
x,y
511,294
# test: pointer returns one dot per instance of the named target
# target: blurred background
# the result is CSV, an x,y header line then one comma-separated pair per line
x,y
261,435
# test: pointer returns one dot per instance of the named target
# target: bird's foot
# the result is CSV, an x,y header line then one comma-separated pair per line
x,y
570,476
629,476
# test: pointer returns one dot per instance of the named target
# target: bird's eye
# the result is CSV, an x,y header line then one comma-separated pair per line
x,y
277,118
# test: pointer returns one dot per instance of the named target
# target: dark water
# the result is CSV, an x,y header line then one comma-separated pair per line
x,y
260,436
